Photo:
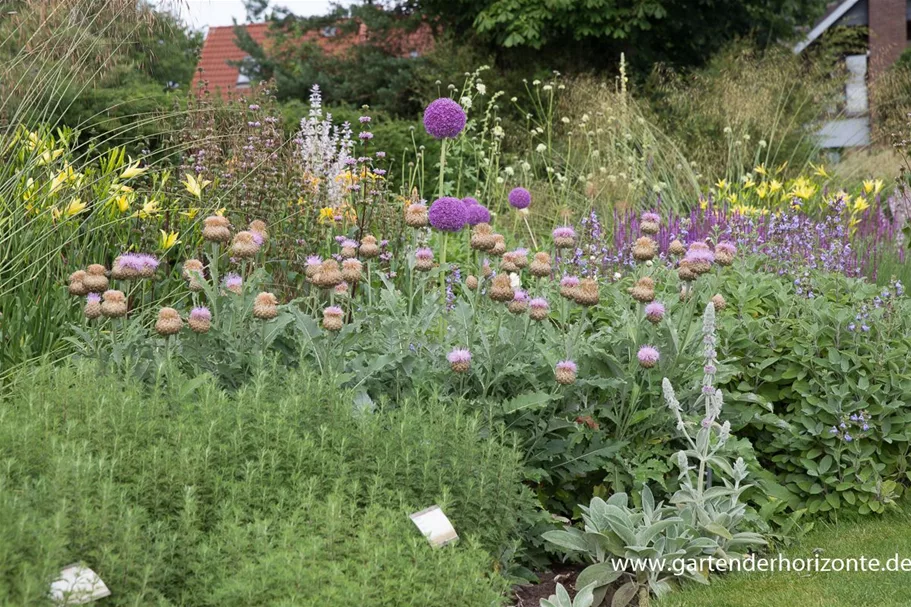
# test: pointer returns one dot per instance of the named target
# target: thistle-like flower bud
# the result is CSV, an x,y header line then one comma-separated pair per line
x,y
718,302
724,253
519,303
499,245
92,306
471,282
568,286
192,273
486,270
258,227
586,294
416,215
507,263
95,280
333,318
482,237
648,356
564,237
650,223
312,266
501,288
76,286
565,372
216,229
328,275
654,312
200,320
645,249
244,245
351,270
168,322
341,289
349,248
676,248
699,258
265,306
369,248
520,258
644,290
114,304
234,283
459,360
540,266
538,308
423,259
685,272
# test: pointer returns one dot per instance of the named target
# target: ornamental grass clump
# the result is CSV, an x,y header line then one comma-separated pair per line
x,y
200,320
333,318
168,323
265,306
459,360
565,372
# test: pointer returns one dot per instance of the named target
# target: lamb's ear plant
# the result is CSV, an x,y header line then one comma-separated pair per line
x,y
584,598
701,520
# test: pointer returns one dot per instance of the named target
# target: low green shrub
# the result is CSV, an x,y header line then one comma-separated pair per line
x,y
281,493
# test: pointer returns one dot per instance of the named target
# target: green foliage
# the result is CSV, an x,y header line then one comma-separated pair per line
x,y
188,495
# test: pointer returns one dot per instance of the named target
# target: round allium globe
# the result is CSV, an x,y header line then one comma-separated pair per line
x,y
519,198
648,356
448,214
444,118
478,214
469,201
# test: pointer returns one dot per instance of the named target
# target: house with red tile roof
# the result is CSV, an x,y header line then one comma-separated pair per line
x,y
220,56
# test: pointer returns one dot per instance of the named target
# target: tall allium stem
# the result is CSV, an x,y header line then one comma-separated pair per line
x,y
442,167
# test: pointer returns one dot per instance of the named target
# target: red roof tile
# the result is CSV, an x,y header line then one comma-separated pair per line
x,y
220,50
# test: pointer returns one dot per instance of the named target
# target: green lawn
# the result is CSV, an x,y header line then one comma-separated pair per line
x,y
878,538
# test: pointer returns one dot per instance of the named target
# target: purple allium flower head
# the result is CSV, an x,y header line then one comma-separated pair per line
x,y
444,118
520,295
564,232
567,365
314,260
233,280
539,303
648,355
519,198
448,214
424,253
477,214
651,217
459,355
569,281
655,308
201,313
93,298
469,201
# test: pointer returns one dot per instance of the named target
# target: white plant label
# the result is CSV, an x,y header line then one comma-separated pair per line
x,y
77,585
435,526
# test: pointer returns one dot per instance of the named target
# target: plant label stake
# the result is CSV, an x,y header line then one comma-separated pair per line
x,y
434,525
77,585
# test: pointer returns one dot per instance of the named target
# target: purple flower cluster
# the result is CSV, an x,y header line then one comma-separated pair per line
x,y
448,214
519,198
138,262
858,423
201,313
444,118
477,213
459,355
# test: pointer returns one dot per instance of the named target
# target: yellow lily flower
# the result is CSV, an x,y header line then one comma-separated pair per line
x,y
221,212
132,170
721,184
748,182
860,205
75,207
760,169
873,186
326,214
819,171
732,198
781,167
167,240
195,186
149,209
774,186
802,188
48,156
762,191
190,213
122,202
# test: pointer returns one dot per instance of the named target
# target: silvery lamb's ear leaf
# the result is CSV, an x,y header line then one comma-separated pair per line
x,y
563,596
599,574
624,594
645,536
718,530
621,500
571,539
648,500
585,597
